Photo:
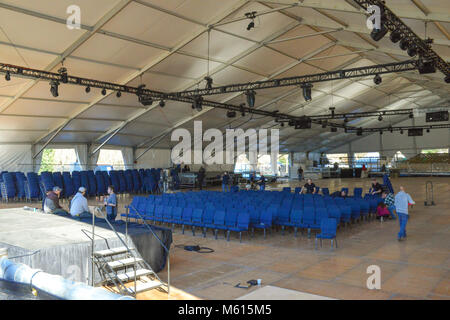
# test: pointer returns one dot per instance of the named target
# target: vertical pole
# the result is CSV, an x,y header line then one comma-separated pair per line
x,y
92,249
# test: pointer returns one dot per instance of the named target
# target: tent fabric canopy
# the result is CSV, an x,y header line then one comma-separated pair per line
x,y
164,44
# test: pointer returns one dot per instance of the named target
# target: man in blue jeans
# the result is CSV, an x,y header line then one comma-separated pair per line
x,y
225,182
389,201
402,201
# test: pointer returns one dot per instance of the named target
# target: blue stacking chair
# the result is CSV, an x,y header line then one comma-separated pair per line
x,y
186,218
296,220
334,212
219,222
8,186
129,180
254,216
208,220
167,214
243,222
197,219
159,213
325,191
101,185
321,213
32,186
149,210
76,180
283,217
122,181
365,208
92,191
114,176
47,181
136,181
309,219
85,180
106,179
58,181
297,190
265,221
177,216
68,184
357,192
346,213
328,229
356,209
20,184
230,220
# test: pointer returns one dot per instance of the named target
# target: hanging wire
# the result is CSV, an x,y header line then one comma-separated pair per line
x,y
209,43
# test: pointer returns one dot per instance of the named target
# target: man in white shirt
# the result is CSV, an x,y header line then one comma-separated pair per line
x,y
402,201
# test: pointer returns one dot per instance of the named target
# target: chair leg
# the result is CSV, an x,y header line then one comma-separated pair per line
x,y
264,233
228,235
193,231
182,229
240,236
204,232
332,244
309,233
335,240
321,243
282,230
315,244
295,232
215,233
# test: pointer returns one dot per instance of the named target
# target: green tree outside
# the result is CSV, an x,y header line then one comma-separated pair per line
x,y
48,160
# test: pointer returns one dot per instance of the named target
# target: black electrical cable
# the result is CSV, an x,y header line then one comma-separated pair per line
x,y
195,248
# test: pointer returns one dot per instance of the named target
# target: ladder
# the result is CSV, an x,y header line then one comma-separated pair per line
x,y
429,194
122,267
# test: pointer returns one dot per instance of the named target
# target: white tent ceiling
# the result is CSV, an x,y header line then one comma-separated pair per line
x,y
164,44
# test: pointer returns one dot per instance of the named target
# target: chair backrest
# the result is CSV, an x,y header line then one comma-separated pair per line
x,y
177,213
149,208
266,218
297,190
187,214
357,192
197,215
159,211
208,216
243,220
309,215
296,216
325,191
328,227
219,218
321,213
231,218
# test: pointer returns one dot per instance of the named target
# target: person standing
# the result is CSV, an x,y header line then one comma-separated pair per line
x,y
389,201
111,204
262,183
225,182
300,173
363,171
402,201
201,177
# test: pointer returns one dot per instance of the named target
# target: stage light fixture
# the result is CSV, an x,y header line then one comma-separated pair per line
x,y
428,130
251,25
118,94
8,76
198,103
64,76
162,103
412,51
54,88
307,91
411,115
231,114
377,79
378,34
333,129
395,36
380,118
401,131
145,100
104,91
404,44
251,99
88,89
209,83
426,67
359,132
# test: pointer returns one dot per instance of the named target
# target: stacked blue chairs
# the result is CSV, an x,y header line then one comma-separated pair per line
x,y
122,181
115,180
32,189
129,180
328,229
20,184
136,181
287,189
76,180
92,191
58,181
142,180
106,179
101,185
8,186
85,180
68,184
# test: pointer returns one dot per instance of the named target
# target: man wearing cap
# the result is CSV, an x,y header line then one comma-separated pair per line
x,y
51,202
79,205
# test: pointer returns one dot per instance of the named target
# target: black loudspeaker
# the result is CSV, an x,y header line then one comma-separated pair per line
x,y
426,67
303,123
359,132
437,116
415,132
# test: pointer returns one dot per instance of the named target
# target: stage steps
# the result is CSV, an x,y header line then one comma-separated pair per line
x,y
124,268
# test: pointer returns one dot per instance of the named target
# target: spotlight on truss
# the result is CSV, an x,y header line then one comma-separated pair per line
x,y
209,82
162,103
88,89
307,91
251,99
118,94
395,36
64,75
54,88
8,76
377,79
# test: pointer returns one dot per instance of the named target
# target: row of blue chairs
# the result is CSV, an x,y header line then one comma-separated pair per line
x,y
17,185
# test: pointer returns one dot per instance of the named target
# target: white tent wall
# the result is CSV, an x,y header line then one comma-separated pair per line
x,y
155,158
15,158
389,143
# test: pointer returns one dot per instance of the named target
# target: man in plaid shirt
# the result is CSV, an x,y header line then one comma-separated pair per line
x,y
389,201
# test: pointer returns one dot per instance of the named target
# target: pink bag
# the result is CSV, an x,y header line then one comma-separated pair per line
x,y
382,212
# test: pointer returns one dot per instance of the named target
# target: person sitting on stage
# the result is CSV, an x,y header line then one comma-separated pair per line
x,y
309,187
51,202
111,204
79,206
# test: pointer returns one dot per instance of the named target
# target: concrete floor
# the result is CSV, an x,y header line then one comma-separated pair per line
x,y
417,268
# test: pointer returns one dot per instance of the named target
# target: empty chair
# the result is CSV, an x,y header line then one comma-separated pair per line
x,y
186,218
129,180
167,214
208,220
32,186
334,212
297,190
231,219
325,191
159,212
296,220
92,183
357,192
101,185
122,181
346,213
136,181
219,222
287,189
76,180
328,229
85,180
321,213
177,216
197,217
242,225
20,185
309,219
265,221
